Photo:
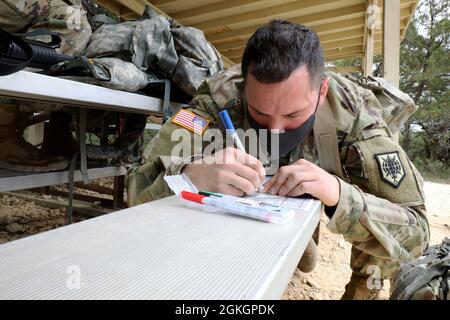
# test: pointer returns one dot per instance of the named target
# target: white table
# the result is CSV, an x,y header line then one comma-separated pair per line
x,y
158,250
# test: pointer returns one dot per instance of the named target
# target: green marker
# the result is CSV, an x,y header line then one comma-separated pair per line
x,y
208,193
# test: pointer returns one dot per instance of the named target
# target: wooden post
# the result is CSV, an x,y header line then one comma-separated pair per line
x,y
391,44
391,41
119,187
369,36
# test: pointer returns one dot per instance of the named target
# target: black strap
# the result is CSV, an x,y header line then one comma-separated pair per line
x,y
71,187
166,103
445,285
82,125
54,43
167,108
103,18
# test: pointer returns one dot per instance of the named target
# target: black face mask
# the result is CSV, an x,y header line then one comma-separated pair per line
x,y
287,140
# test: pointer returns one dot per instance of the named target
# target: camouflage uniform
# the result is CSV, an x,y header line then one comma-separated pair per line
x,y
385,223
69,21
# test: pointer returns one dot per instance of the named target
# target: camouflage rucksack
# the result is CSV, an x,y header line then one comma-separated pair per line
x,y
397,105
155,43
395,109
145,46
110,39
427,278
153,47
197,58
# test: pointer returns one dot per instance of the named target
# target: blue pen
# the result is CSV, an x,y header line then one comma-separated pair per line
x,y
226,120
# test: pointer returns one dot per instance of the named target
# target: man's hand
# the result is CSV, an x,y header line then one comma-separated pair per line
x,y
229,171
305,177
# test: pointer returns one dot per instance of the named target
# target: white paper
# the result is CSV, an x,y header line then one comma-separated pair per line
x,y
178,183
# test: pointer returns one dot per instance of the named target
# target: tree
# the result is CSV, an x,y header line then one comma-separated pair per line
x,y
425,76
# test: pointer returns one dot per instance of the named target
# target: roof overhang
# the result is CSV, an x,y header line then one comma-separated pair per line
x,y
341,24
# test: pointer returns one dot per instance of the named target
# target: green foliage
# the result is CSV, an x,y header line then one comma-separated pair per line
x,y
347,62
425,76
431,169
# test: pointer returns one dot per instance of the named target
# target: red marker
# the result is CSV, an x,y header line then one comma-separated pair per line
x,y
229,204
195,197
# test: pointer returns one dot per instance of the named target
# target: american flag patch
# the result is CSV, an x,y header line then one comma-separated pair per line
x,y
191,121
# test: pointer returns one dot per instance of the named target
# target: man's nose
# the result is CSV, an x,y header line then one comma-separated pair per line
x,y
275,125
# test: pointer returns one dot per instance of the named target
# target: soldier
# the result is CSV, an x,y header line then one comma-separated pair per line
x,y
374,197
68,19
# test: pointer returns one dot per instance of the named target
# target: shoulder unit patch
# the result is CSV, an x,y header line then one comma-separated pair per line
x,y
391,168
191,121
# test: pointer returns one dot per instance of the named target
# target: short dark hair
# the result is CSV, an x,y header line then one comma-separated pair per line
x,y
274,51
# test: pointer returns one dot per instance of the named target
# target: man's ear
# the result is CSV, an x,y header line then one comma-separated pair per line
x,y
324,90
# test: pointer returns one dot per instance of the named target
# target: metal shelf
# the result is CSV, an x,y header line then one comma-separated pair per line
x,y
33,86
11,180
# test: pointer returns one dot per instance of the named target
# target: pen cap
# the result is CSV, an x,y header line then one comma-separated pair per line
x,y
226,120
195,197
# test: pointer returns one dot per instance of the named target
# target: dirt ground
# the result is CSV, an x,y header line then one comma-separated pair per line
x,y
332,272
20,218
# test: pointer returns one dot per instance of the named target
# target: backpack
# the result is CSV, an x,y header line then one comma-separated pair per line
x,y
111,39
396,108
155,43
197,58
153,46
426,278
